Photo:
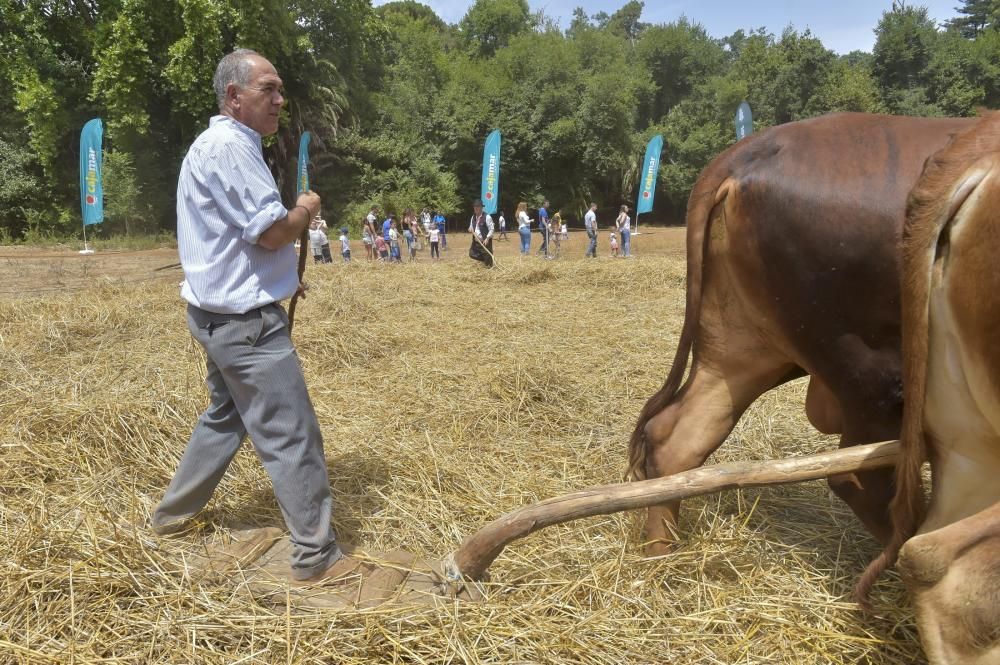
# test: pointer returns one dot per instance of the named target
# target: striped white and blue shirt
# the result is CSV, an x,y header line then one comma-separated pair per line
x,y
226,198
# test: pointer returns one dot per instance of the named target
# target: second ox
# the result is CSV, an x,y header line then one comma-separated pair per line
x,y
793,260
951,372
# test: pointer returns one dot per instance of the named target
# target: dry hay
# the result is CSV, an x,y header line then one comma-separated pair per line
x,y
447,395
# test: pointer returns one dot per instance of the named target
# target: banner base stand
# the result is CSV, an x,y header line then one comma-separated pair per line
x,y
86,251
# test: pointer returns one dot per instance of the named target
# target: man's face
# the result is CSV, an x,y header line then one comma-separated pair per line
x,y
258,104
478,210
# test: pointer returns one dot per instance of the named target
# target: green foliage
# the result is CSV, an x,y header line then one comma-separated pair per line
x,y
193,56
848,87
489,25
679,56
123,204
904,46
976,16
123,81
399,102
20,187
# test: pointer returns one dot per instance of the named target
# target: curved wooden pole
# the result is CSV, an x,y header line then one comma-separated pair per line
x,y
479,550
303,250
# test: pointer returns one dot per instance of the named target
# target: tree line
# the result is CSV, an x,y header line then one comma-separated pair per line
x,y
399,102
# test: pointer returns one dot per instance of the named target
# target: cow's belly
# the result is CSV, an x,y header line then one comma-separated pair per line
x,y
962,421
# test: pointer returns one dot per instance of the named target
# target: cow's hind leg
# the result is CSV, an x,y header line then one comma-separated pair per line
x,y
871,397
698,420
868,493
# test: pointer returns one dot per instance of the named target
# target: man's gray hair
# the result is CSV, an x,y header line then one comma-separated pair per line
x,y
233,68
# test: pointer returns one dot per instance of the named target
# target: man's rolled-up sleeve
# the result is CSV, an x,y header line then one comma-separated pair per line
x,y
263,220
250,192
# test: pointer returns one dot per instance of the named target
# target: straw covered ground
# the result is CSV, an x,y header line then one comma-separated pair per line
x,y
447,394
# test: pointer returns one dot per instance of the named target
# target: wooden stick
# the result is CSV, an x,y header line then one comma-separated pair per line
x,y
480,549
303,242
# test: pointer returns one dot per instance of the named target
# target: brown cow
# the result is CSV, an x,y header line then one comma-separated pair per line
x,y
793,265
951,371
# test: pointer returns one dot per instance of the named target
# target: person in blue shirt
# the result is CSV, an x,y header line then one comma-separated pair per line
x,y
543,228
386,225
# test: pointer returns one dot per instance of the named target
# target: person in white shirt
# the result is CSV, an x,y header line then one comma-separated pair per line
x,y
623,224
503,228
590,223
369,232
524,227
235,240
481,227
319,244
425,221
435,236
345,245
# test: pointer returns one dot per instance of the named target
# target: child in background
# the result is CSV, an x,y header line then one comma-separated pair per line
x,y
345,245
614,244
435,236
395,256
382,247
555,228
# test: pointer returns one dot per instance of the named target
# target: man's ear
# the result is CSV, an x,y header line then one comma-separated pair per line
x,y
233,95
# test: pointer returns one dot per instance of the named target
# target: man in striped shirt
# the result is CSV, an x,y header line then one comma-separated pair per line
x,y
235,239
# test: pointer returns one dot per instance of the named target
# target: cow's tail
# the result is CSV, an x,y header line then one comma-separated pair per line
x,y
706,194
925,239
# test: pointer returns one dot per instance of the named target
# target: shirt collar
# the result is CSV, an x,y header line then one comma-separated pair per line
x,y
237,125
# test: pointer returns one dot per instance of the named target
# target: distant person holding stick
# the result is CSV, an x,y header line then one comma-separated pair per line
x,y
239,264
481,227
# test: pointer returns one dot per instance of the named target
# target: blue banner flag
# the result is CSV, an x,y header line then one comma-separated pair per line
x,y
650,169
303,170
91,188
744,121
491,172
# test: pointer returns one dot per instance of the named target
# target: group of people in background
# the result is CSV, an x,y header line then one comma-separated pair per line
x,y
553,230
319,242
383,241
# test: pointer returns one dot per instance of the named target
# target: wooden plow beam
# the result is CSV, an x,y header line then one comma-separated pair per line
x,y
479,550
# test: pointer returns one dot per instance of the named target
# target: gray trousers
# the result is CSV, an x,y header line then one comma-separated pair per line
x,y
257,387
